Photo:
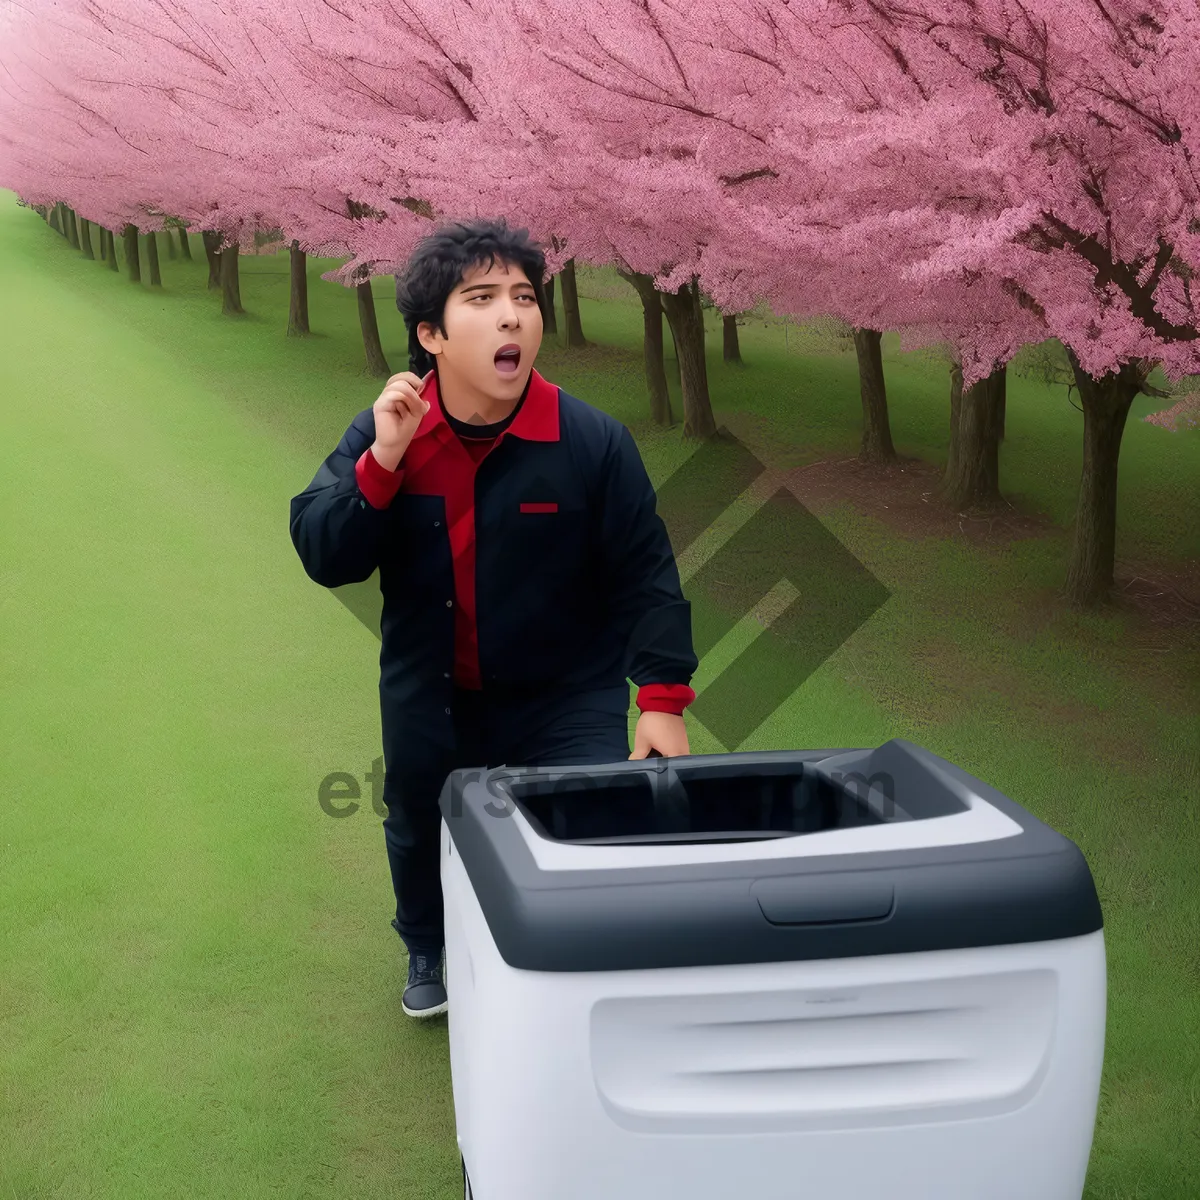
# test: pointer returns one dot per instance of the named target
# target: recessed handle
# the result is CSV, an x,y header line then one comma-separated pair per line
x,y
824,900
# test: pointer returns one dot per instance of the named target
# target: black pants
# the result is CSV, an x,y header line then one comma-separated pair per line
x,y
491,730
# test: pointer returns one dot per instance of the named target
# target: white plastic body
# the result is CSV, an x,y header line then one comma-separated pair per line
x,y
948,1075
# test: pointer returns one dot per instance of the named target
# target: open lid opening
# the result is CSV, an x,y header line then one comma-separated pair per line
x,y
724,802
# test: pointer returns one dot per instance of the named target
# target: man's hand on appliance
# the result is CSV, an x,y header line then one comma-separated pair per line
x,y
664,732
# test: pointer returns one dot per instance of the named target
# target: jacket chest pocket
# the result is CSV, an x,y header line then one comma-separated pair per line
x,y
546,533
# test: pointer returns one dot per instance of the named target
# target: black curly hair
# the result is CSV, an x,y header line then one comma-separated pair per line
x,y
441,260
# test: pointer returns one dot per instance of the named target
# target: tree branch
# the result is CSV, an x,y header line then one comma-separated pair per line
x,y
1141,298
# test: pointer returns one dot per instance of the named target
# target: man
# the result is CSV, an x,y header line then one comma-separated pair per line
x,y
525,572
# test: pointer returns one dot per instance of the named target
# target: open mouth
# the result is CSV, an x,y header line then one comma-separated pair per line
x,y
508,359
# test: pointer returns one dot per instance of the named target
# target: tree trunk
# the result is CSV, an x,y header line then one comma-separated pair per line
x,y
72,229
184,245
132,259
877,432
570,293
684,313
298,297
102,238
652,344
955,412
376,362
112,250
231,288
212,240
56,218
730,349
975,482
85,238
152,254
172,252
1106,402
550,317
652,354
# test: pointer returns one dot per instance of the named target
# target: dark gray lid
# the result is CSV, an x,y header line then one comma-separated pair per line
x,y
907,887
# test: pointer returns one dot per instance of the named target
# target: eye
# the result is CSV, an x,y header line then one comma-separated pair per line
x,y
524,296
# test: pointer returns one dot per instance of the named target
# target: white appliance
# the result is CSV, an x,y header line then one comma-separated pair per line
x,y
793,975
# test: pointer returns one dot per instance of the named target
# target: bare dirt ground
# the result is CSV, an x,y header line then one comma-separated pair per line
x,y
1159,601
904,497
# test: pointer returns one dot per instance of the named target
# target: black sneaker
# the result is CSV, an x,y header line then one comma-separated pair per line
x,y
425,994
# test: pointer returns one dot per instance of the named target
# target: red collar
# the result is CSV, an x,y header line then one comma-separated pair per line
x,y
536,422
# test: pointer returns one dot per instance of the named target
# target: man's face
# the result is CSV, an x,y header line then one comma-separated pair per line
x,y
491,308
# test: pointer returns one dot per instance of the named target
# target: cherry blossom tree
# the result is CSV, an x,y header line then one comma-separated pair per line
x,y
824,156
1109,233
175,110
309,126
969,173
755,189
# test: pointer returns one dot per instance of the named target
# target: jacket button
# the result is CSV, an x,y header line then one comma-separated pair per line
x,y
436,524
449,603
445,674
447,712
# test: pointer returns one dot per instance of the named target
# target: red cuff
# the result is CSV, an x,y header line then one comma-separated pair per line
x,y
665,697
375,481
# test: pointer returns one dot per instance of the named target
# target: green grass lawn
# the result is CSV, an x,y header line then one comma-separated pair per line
x,y
199,988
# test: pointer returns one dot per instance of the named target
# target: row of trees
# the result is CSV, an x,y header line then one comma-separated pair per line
x,y
977,177
224,276
962,486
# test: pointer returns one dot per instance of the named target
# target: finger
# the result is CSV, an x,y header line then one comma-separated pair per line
x,y
402,398
414,404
